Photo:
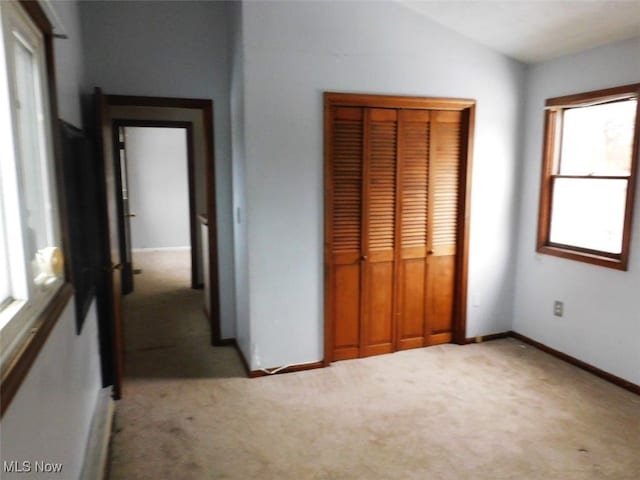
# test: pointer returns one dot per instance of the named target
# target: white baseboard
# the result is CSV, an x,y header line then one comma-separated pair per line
x,y
161,249
97,452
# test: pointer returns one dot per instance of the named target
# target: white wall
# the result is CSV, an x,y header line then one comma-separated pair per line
x,y
292,53
601,322
69,65
158,187
50,416
241,252
170,49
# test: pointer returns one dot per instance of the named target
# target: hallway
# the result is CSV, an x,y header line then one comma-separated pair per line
x,y
169,367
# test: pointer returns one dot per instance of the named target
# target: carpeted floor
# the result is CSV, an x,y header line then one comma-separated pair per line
x,y
496,410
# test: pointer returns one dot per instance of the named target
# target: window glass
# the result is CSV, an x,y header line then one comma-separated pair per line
x,y
598,140
589,213
39,234
29,145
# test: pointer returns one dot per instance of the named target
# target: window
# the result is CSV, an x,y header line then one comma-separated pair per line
x,y
31,265
589,175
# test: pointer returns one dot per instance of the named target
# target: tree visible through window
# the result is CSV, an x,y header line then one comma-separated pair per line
x,y
589,164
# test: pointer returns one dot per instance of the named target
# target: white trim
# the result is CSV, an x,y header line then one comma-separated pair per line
x,y
161,249
96,454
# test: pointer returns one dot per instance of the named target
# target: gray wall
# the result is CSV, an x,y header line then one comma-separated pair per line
x,y
158,187
293,51
50,416
601,322
241,249
171,49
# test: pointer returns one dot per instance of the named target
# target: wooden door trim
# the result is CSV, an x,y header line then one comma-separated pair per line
x,y
205,106
467,106
193,223
109,319
464,220
335,99
328,232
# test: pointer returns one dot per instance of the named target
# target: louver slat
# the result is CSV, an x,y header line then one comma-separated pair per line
x,y
445,168
382,184
347,180
415,159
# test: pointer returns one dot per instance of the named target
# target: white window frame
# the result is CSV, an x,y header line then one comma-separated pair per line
x,y
20,312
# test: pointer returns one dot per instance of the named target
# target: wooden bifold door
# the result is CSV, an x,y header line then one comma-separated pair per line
x,y
396,195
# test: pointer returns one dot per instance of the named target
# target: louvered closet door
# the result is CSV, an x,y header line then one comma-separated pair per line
x,y
345,217
413,170
392,224
444,180
379,231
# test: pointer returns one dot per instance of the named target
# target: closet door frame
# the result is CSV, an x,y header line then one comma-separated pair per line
x,y
467,108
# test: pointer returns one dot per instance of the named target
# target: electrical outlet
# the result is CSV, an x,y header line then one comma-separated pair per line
x,y
558,308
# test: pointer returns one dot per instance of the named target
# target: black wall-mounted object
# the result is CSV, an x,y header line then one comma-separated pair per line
x,y
82,202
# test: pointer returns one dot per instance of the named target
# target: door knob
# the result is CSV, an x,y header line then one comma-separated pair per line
x,y
363,257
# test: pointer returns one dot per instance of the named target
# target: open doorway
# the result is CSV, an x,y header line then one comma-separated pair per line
x,y
194,117
163,263
158,208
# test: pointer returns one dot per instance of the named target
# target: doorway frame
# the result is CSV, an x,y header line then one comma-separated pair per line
x,y
467,107
193,225
205,107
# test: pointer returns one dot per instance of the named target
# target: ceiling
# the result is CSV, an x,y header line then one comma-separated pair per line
x,y
534,31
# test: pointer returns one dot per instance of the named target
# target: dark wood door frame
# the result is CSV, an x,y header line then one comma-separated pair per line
x,y
109,294
205,107
467,107
193,224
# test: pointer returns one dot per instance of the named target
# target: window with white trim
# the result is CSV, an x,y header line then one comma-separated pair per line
x,y
31,265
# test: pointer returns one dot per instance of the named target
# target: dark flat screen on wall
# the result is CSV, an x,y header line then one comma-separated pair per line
x,y
82,202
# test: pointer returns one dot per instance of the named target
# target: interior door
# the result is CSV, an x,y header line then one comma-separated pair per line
x,y
396,243
444,187
113,263
124,210
412,210
379,205
344,220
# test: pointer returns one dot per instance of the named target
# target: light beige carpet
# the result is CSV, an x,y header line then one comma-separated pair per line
x,y
497,410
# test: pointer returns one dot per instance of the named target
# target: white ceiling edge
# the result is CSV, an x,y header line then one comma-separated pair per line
x,y
535,31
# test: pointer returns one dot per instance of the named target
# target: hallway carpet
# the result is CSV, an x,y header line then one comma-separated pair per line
x,y
495,410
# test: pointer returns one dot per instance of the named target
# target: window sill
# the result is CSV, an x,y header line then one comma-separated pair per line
x,y
594,259
17,367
